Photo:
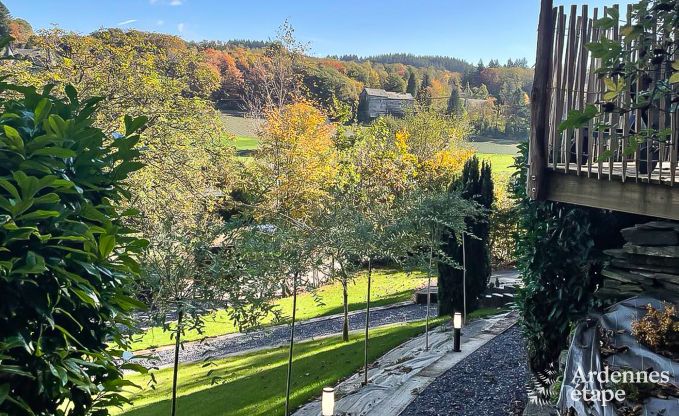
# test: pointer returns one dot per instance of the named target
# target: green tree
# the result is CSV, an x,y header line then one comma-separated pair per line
x,y
412,83
476,185
482,92
455,105
5,19
424,92
187,162
67,259
395,83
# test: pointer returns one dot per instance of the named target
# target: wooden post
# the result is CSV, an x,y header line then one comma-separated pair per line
x,y
540,104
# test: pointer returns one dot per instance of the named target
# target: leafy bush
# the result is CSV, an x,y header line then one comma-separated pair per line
x,y
559,253
66,259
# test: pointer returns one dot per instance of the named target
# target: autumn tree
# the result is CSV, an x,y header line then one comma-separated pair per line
x,y
296,159
273,81
433,142
20,30
230,77
186,161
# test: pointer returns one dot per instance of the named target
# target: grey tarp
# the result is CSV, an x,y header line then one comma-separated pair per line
x,y
584,354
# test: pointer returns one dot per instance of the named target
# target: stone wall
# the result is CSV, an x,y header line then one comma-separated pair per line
x,y
648,262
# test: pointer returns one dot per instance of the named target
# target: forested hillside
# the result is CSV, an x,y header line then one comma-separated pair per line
x,y
249,73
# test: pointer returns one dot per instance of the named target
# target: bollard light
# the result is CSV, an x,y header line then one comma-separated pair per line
x,y
457,320
328,402
457,326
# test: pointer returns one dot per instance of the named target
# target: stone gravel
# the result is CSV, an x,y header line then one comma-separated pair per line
x,y
278,335
489,382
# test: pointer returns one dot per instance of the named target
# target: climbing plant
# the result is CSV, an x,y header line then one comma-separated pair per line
x,y
67,259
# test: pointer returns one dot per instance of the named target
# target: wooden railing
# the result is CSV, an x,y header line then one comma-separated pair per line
x,y
615,152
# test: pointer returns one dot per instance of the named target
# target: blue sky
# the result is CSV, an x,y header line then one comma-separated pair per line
x,y
468,29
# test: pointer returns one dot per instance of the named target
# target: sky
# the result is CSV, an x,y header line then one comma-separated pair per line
x,y
467,29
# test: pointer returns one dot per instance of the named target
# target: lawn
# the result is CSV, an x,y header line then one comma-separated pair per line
x,y
388,287
500,163
254,384
245,143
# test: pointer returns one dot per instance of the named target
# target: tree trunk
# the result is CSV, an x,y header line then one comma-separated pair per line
x,y
292,343
345,298
175,370
367,323
426,325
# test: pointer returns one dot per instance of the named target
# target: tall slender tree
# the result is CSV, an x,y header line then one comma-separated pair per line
x,y
455,106
476,185
5,19
412,83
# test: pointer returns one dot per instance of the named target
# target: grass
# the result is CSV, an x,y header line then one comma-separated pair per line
x,y
485,313
245,143
388,287
501,163
253,384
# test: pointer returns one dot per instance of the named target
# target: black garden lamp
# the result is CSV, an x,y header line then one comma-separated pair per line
x,y
457,327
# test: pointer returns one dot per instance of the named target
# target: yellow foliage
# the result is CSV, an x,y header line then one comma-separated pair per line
x,y
297,159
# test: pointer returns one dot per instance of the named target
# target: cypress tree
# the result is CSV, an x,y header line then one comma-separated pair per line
x,y
412,84
4,20
455,105
475,184
423,93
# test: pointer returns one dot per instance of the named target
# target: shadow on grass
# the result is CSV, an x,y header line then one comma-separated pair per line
x,y
319,363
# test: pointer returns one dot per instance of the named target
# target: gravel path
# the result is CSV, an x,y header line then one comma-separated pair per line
x,y
277,335
489,382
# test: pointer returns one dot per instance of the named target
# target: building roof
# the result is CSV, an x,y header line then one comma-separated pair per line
x,y
375,92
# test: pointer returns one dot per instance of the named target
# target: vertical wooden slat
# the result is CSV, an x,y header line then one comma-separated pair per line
x,y
540,98
600,131
562,83
662,73
581,79
651,112
614,117
570,83
591,91
626,102
557,93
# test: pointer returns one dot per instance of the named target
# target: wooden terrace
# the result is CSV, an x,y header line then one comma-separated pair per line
x,y
604,168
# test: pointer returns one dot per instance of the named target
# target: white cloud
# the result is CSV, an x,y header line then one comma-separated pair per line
x,y
176,3
126,22
153,1
160,22
180,27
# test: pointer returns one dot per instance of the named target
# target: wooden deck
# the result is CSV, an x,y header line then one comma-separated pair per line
x,y
604,163
621,172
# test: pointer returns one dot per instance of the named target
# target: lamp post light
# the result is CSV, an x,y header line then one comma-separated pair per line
x,y
328,402
457,326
